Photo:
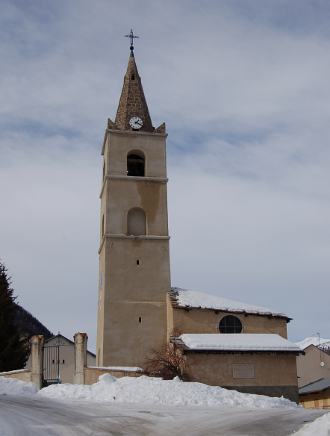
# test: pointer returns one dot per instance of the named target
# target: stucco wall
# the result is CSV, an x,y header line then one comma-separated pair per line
x,y
134,301
134,271
119,143
309,366
207,321
126,194
263,373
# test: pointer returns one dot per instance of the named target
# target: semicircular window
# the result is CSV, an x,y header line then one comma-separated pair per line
x,y
230,324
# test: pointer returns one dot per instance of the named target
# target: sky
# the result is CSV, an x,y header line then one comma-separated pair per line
x,y
243,86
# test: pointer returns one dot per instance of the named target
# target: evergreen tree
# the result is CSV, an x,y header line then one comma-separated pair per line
x,y
13,348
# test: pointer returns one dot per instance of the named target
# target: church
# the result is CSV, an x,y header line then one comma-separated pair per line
x,y
224,342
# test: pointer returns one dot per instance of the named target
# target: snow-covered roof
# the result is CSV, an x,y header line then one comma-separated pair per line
x,y
237,342
314,340
318,385
191,299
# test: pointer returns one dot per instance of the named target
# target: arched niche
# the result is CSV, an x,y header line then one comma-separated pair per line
x,y
136,222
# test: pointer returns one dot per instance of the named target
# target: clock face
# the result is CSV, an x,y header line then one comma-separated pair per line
x,y
136,123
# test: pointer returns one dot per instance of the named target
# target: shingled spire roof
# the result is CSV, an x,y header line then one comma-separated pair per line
x,y
132,101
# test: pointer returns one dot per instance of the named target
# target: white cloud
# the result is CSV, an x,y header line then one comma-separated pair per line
x,y
244,92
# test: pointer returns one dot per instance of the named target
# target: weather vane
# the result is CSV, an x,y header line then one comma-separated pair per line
x,y
131,36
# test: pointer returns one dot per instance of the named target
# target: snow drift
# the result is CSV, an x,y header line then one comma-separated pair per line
x,y
11,386
319,427
149,390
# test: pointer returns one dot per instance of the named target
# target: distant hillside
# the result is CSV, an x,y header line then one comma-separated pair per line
x,y
29,325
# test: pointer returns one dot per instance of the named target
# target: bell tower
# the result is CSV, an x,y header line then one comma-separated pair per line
x,y
134,266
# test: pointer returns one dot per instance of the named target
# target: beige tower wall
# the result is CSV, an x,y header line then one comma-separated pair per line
x,y
134,270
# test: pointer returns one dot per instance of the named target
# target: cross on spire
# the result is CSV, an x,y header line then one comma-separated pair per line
x,y
131,36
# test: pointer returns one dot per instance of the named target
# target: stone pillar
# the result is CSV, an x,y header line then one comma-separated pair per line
x,y
80,357
37,344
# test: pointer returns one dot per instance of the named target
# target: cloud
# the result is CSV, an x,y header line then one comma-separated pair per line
x,y
243,88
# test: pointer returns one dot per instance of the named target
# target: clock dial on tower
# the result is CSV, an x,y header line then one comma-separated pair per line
x,y
136,123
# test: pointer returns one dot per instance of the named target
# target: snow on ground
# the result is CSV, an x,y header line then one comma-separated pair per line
x,y
187,298
233,341
313,340
11,386
149,390
319,427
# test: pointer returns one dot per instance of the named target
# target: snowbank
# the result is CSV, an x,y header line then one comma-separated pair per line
x,y
149,390
319,427
11,386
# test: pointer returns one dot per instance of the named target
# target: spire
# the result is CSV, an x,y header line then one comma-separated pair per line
x,y
132,101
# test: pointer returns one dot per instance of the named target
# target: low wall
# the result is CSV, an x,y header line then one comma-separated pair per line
x,y
316,400
33,374
20,374
92,374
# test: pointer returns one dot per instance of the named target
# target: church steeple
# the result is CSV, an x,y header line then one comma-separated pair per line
x,y
132,101
134,241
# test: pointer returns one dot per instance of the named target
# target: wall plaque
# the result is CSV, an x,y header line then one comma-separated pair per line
x,y
243,370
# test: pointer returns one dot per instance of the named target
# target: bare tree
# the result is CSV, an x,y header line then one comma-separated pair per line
x,y
168,362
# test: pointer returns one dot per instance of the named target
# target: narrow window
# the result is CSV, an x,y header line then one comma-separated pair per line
x,y
133,76
140,319
136,222
138,262
103,170
102,226
230,324
135,164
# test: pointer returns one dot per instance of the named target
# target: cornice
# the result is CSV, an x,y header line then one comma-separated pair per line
x,y
163,180
131,237
130,133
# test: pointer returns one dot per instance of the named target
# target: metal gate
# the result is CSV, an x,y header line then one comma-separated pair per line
x,y
51,365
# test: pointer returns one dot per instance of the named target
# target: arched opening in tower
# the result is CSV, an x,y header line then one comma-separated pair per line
x,y
135,164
